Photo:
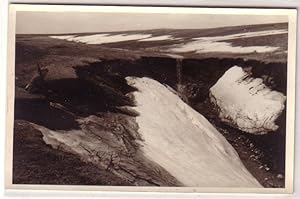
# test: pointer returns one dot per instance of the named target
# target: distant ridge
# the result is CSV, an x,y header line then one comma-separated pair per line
x,y
183,31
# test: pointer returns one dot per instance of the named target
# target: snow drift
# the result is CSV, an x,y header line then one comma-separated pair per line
x,y
110,38
247,103
102,38
183,142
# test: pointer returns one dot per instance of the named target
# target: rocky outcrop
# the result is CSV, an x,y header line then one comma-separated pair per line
x,y
246,102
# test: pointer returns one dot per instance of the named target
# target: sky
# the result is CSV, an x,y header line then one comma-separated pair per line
x,y
78,22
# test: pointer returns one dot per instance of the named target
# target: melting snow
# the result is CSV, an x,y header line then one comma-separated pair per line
x,y
212,46
199,45
247,103
103,38
244,35
175,56
183,142
65,37
217,44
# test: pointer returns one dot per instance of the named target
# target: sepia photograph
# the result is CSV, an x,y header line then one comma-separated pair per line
x,y
150,97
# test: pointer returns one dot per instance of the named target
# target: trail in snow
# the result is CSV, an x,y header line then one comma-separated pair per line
x,y
246,102
183,142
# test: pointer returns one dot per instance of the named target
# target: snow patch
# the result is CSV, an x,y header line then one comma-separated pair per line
x,y
246,102
74,141
183,142
218,44
244,35
206,46
175,56
103,38
64,37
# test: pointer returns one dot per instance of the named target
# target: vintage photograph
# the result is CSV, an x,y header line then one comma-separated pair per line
x,y
129,96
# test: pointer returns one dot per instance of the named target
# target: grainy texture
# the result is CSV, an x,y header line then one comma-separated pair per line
x,y
74,97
